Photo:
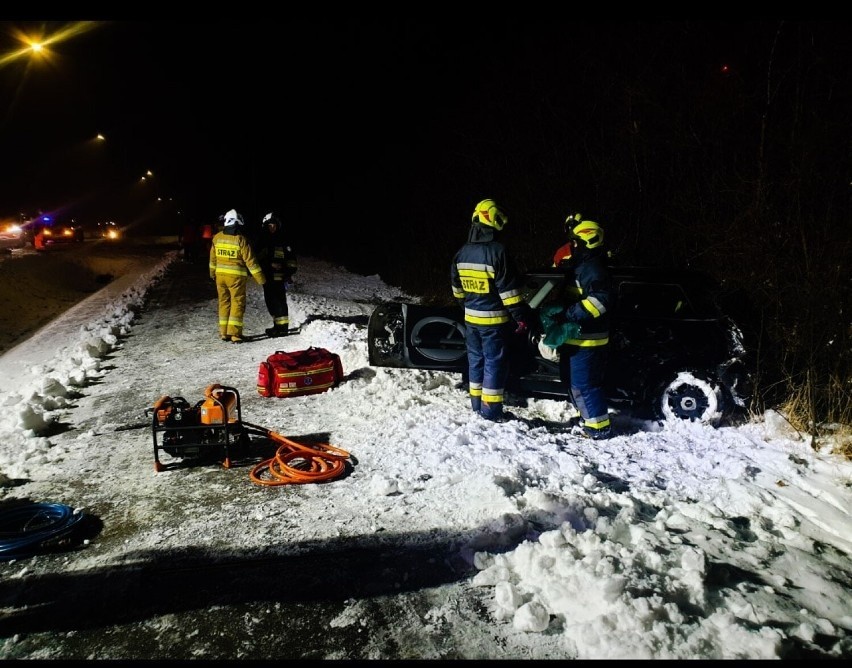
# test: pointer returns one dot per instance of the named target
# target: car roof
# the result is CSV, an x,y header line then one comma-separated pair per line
x,y
692,277
700,287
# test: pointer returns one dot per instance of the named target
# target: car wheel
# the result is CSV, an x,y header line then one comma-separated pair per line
x,y
690,396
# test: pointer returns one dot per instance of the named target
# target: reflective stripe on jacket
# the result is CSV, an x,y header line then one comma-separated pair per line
x,y
591,311
232,254
483,278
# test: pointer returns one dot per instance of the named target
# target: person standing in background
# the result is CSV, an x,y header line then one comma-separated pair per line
x,y
206,233
278,261
190,241
231,262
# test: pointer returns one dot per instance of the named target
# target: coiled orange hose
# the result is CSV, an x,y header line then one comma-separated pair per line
x,y
296,463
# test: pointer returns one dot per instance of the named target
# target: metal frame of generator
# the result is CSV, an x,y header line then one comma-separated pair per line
x,y
206,431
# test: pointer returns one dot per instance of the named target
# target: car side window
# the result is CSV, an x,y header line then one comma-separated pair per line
x,y
653,300
541,291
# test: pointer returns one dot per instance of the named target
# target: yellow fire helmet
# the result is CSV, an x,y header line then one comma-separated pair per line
x,y
587,232
488,213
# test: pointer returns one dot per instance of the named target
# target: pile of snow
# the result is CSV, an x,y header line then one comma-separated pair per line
x,y
671,540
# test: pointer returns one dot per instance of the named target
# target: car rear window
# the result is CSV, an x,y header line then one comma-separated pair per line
x,y
653,300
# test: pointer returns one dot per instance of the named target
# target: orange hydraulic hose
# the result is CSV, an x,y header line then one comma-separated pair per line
x,y
296,463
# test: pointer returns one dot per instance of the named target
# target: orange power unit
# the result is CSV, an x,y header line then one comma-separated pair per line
x,y
210,429
219,405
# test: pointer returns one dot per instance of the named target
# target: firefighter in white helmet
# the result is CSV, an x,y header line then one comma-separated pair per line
x,y
231,262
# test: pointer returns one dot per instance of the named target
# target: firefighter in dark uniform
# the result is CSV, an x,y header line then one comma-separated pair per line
x,y
231,262
278,261
582,356
487,286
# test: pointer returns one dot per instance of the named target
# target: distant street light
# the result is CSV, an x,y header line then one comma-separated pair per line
x,y
39,46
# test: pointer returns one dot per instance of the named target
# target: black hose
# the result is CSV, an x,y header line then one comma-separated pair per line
x,y
29,529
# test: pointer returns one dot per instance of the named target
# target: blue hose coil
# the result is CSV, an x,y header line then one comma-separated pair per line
x,y
29,529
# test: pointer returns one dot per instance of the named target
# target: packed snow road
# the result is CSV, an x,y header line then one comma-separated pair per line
x,y
199,562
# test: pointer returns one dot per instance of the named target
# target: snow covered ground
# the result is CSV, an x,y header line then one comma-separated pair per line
x,y
449,536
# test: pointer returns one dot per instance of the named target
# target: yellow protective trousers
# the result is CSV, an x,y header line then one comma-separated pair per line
x,y
232,303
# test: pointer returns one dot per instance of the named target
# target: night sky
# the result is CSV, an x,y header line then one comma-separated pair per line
x,y
242,111
374,127
227,114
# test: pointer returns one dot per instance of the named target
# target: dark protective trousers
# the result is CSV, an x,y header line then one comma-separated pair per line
x,y
275,296
583,369
232,303
488,366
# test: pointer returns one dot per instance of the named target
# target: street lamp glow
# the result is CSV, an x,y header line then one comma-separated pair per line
x,y
100,137
38,46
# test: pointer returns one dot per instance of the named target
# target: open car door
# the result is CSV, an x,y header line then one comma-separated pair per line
x,y
411,336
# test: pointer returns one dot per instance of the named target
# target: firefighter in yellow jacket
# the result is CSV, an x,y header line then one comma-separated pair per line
x,y
231,262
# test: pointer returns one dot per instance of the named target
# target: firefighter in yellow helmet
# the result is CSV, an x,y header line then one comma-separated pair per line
x,y
580,329
231,262
486,284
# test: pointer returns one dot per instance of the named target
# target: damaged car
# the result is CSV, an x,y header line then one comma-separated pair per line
x,y
673,352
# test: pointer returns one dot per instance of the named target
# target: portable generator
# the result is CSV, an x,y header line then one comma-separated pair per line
x,y
210,430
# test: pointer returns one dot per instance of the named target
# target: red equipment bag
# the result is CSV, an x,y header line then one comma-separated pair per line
x,y
300,372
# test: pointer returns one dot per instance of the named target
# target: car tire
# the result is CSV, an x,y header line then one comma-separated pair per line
x,y
690,396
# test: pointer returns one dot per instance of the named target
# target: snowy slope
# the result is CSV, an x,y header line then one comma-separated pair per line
x,y
450,537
